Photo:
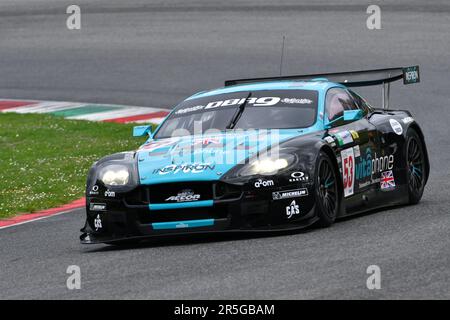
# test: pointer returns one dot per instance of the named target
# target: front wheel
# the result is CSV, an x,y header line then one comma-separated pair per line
x,y
416,169
326,191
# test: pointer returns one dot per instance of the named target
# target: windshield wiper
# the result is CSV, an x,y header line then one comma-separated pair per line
x,y
238,112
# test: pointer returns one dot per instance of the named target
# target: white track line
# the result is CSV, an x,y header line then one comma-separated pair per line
x,y
40,218
113,114
116,111
44,107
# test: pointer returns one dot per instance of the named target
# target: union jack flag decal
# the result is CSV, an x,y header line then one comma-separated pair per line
x,y
387,180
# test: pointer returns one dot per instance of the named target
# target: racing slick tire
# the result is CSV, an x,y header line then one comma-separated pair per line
x,y
327,193
415,164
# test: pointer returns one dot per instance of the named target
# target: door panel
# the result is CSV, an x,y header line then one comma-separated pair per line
x,y
358,144
390,163
356,164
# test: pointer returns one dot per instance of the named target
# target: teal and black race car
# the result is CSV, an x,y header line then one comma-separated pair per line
x,y
262,154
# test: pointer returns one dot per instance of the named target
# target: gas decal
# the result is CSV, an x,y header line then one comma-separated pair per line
x,y
292,209
348,171
98,223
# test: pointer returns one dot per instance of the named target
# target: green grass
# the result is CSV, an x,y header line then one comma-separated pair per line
x,y
44,159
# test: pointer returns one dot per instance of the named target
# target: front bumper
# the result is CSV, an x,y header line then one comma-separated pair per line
x,y
243,211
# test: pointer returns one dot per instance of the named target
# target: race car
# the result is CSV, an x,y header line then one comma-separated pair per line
x,y
262,154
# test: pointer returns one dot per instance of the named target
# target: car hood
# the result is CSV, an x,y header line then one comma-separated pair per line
x,y
202,158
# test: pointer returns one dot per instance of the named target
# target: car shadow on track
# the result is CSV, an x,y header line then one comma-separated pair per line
x,y
192,239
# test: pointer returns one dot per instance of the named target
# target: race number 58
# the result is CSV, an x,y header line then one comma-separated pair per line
x,y
348,171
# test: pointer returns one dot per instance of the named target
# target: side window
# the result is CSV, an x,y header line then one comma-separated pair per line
x,y
337,101
362,104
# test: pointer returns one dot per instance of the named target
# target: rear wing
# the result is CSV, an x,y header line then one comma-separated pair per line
x,y
352,78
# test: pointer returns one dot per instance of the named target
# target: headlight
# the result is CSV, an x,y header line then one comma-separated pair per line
x,y
115,175
267,165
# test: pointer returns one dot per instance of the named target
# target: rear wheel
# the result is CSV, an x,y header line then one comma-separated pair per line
x,y
326,191
415,166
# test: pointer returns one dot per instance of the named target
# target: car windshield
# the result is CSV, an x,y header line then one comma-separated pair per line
x,y
267,109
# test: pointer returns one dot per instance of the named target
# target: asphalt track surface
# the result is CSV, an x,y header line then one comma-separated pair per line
x,y
154,54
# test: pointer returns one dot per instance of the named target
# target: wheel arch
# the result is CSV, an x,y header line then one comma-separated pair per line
x,y
332,155
419,132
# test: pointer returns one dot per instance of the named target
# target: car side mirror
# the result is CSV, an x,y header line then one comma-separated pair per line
x,y
140,131
352,115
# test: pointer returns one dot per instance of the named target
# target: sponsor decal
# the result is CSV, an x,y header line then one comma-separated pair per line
x,y
97,207
364,166
407,120
411,75
257,102
94,191
330,141
296,101
355,134
98,223
110,194
369,165
185,168
280,195
348,171
184,196
298,176
357,151
365,184
263,183
190,109
292,209
344,137
396,126
382,163
387,181
181,225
